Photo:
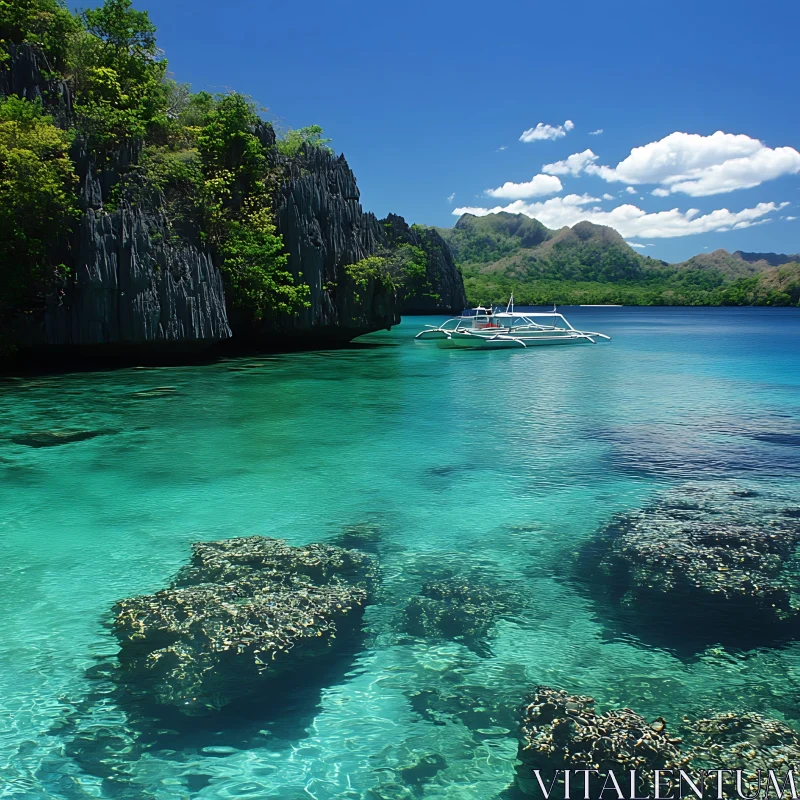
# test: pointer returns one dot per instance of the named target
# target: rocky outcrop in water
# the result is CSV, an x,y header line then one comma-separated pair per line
x,y
442,290
460,608
54,438
562,731
242,612
703,554
744,741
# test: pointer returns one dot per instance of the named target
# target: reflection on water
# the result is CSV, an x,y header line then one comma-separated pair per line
x,y
492,468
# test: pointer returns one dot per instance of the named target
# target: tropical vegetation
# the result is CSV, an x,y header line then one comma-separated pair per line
x,y
213,158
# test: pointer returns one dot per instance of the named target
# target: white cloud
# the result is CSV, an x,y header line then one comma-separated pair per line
x,y
537,186
451,197
557,210
596,133
572,165
630,220
636,244
542,132
608,196
630,190
790,218
660,192
502,147
702,165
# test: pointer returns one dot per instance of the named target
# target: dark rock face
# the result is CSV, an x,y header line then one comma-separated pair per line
x,y
445,292
561,731
702,555
242,612
26,73
324,229
132,287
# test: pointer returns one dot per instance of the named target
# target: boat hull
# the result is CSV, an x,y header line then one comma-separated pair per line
x,y
478,342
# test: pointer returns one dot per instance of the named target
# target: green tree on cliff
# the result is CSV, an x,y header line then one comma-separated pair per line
x,y
118,76
237,207
46,24
293,142
37,200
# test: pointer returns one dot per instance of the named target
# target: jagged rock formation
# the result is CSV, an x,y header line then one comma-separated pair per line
x,y
27,74
132,288
242,612
325,229
137,288
442,290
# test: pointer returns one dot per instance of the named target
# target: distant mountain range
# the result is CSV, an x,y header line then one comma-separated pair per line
x,y
588,263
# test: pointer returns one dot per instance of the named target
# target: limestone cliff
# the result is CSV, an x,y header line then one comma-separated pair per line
x,y
324,229
27,74
131,288
442,289
136,287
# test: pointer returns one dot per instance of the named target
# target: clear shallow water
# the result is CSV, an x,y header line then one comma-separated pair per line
x,y
505,462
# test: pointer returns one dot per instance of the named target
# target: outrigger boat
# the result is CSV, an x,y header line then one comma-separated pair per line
x,y
489,328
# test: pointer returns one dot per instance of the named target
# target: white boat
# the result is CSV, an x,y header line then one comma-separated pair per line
x,y
487,328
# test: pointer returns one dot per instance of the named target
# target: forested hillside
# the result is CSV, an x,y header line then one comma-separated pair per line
x,y
587,263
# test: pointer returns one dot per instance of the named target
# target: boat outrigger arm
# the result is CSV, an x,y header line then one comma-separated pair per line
x,y
485,327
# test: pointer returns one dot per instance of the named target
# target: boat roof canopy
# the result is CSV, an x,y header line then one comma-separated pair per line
x,y
477,312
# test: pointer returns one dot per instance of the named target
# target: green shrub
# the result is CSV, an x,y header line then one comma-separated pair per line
x,y
372,268
293,142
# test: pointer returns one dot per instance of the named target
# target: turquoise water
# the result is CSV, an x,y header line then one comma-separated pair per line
x,y
500,462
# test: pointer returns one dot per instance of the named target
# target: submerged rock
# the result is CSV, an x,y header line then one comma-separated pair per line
x,y
54,438
714,550
243,611
748,742
562,731
361,535
456,607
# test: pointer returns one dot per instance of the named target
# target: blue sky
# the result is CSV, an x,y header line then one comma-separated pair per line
x,y
428,100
